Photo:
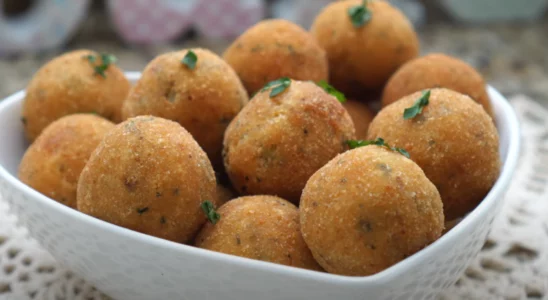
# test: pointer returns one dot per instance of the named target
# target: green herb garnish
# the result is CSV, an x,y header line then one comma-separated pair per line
x,y
278,86
106,61
331,90
212,215
142,210
359,14
358,143
416,109
379,142
401,151
190,59
90,58
362,143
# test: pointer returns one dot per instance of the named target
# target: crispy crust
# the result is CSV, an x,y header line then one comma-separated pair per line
x,y
53,163
453,140
364,58
275,144
437,70
276,48
149,175
368,209
259,227
203,100
67,85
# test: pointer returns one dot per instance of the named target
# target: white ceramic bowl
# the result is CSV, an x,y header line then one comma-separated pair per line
x,y
129,265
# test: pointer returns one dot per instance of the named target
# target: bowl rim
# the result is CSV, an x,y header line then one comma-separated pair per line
x,y
495,194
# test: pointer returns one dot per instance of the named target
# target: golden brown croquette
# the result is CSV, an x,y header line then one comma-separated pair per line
x,y
453,140
363,58
276,48
53,163
203,100
149,175
434,71
276,143
368,209
69,84
259,227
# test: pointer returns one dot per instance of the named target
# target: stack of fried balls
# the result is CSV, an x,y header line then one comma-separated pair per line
x,y
258,153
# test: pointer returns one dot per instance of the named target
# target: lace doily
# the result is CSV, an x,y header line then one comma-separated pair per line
x,y
512,265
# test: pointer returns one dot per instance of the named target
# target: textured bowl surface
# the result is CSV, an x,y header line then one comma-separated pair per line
x,y
130,265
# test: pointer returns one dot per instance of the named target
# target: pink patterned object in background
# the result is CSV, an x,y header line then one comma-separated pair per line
x,y
151,21
227,18
50,23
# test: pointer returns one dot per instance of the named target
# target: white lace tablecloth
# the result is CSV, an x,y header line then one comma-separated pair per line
x,y
512,265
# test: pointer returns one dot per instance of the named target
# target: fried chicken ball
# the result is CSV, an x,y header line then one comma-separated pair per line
x,y
53,163
363,58
259,227
437,70
276,48
361,117
70,84
453,140
203,99
368,209
149,175
276,143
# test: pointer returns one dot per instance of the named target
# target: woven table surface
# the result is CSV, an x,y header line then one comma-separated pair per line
x,y
512,265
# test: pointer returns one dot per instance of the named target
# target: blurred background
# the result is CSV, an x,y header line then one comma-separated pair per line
x,y
506,40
